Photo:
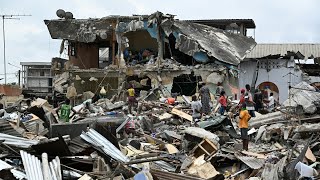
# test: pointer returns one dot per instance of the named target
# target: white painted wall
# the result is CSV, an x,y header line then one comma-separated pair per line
x,y
275,75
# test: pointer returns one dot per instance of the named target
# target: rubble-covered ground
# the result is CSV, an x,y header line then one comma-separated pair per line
x,y
158,141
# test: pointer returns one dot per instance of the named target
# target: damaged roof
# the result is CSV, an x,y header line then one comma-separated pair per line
x,y
224,46
82,30
309,51
248,23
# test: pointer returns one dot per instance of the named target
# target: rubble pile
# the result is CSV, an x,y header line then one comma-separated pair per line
x,y
157,141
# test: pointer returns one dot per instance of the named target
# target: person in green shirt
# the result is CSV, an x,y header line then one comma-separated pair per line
x,y
65,110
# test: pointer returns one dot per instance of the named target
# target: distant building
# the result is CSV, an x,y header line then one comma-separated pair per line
x,y
275,67
37,78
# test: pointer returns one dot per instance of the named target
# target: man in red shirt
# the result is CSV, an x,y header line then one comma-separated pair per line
x,y
242,95
223,102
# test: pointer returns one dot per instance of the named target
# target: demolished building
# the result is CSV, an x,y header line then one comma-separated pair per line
x,y
156,51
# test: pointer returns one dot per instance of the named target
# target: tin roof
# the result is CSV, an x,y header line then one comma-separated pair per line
x,y
307,50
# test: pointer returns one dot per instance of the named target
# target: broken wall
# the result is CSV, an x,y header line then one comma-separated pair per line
x,y
87,55
141,39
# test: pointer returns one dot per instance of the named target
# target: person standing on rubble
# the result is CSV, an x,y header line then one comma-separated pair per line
x,y
249,101
223,102
65,111
131,98
244,118
257,99
196,108
205,99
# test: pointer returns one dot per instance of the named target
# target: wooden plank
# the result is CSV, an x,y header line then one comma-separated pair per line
x,y
171,149
257,155
182,114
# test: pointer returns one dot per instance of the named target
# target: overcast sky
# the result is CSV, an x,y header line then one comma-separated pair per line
x,y
277,21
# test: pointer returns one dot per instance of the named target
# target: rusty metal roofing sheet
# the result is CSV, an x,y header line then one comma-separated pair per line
x,y
252,162
263,50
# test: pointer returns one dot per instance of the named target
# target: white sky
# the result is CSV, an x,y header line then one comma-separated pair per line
x,y
277,21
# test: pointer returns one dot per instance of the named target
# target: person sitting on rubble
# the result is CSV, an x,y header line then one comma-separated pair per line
x,y
223,102
196,108
244,118
131,98
65,111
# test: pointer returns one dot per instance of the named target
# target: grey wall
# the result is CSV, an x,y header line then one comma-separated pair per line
x,y
275,75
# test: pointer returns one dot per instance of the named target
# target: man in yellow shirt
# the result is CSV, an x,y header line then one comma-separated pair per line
x,y
131,98
244,117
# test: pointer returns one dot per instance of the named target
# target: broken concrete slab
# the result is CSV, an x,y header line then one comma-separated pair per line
x,y
304,95
202,133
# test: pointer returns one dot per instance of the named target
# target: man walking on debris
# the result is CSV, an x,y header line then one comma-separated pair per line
x,y
131,98
65,110
205,99
244,117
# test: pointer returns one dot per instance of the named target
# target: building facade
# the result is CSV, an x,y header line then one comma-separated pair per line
x,y
275,67
37,78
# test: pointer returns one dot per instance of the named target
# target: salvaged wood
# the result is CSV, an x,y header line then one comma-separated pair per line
x,y
182,114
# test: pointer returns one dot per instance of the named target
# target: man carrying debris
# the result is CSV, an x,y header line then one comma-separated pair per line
x,y
131,98
244,117
65,110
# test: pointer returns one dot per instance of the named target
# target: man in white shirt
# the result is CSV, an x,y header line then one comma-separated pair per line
x,y
271,102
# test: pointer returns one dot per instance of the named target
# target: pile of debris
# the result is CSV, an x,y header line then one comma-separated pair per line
x,y
157,141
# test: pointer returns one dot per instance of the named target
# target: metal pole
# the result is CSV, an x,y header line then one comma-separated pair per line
x,y
4,52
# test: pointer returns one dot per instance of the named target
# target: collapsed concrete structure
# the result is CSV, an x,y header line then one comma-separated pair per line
x,y
155,51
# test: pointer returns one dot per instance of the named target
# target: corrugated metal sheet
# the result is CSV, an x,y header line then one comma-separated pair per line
x,y
96,139
6,128
4,165
252,162
77,145
32,166
263,50
17,141
34,170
